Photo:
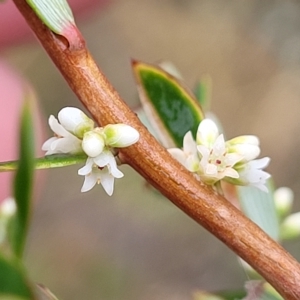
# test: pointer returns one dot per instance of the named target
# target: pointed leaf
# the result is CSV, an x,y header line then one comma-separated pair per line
x,y
170,106
23,182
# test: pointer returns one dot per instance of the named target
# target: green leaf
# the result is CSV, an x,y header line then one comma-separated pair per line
x,y
170,106
13,282
23,182
56,14
47,162
260,208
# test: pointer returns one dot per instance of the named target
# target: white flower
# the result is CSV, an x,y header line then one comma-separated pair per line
x,y
216,163
212,159
102,170
70,128
245,145
251,173
75,133
63,142
75,121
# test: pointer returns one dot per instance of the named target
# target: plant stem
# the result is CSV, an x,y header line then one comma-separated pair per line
x,y
155,164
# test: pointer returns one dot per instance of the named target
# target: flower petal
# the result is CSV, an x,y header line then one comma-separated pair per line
x,y
57,128
90,181
207,133
189,145
87,168
107,181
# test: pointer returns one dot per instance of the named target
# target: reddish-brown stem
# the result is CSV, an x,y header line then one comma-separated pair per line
x,y
154,163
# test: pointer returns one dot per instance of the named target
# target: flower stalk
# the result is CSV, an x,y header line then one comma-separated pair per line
x,y
157,166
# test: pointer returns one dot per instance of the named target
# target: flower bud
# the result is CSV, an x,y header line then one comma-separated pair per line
x,y
290,227
75,121
8,208
207,133
92,143
283,198
120,135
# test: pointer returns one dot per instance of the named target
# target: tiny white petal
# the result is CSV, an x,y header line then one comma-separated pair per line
x,y
230,172
90,181
103,159
120,135
87,168
75,121
189,145
57,128
63,142
113,169
249,152
260,163
107,181
47,145
219,146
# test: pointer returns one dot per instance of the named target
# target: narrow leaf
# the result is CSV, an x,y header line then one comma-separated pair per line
x,y
169,105
23,182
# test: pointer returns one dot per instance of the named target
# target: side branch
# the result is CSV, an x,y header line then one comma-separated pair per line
x,y
155,164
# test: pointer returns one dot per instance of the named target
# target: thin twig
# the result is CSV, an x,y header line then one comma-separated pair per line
x,y
155,164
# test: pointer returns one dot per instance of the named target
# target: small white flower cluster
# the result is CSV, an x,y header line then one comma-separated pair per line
x,y
75,133
212,159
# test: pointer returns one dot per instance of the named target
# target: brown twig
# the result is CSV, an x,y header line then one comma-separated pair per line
x,y
154,163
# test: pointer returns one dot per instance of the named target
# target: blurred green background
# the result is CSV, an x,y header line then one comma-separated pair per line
x,y
135,244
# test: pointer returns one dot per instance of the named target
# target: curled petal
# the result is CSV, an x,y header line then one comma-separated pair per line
x,y
90,181
87,168
57,128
